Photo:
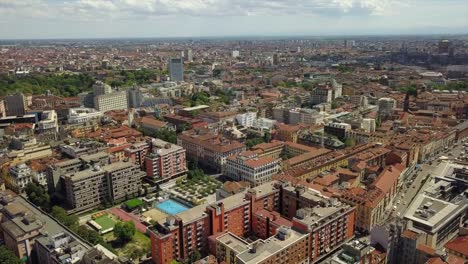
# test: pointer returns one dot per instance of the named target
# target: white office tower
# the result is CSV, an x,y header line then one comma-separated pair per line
x,y
368,125
189,55
386,106
235,53
246,119
176,69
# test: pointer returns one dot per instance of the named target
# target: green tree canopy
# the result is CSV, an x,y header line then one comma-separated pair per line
x,y
38,196
249,143
349,142
124,231
62,216
8,257
58,84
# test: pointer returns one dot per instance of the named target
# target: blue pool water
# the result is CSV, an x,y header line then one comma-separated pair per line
x,y
171,207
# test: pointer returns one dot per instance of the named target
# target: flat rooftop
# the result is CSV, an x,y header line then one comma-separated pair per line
x,y
267,248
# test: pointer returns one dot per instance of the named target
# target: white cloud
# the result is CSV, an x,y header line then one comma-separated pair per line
x,y
86,9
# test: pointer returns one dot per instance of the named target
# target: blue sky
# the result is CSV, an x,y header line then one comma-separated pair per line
x,y
192,18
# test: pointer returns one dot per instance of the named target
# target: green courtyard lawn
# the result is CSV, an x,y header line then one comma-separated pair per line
x,y
105,222
133,203
138,247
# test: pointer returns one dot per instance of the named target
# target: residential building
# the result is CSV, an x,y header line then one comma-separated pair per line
x,y
56,170
246,119
19,176
15,105
287,246
87,189
309,237
263,123
111,101
137,152
208,148
248,166
322,94
287,132
337,129
23,224
176,69
372,203
59,248
165,161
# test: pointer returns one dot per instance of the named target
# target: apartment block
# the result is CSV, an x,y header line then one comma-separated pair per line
x,y
218,229
137,152
247,166
287,246
328,228
111,101
165,161
246,119
178,236
89,188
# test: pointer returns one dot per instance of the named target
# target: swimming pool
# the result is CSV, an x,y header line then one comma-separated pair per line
x,y
171,207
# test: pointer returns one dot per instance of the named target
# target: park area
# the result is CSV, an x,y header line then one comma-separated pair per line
x,y
137,247
122,231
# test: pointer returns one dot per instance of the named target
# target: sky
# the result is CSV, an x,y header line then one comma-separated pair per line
x,y
31,19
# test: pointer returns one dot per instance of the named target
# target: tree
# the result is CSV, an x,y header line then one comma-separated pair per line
x,y
7,256
124,231
254,141
267,136
350,142
61,215
38,196
195,256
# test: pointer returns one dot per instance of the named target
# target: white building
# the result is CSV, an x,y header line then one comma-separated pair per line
x,y
359,100
246,119
264,123
49,121
247,166
368,125
386,106
20,176
235,53
111,101
305,116
82,115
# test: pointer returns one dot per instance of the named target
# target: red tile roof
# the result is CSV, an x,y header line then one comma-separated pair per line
x,y
459,244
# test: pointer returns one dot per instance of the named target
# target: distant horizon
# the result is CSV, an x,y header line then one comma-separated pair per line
x,y
253,36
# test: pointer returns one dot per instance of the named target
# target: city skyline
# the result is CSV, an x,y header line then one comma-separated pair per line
x,y
46,19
